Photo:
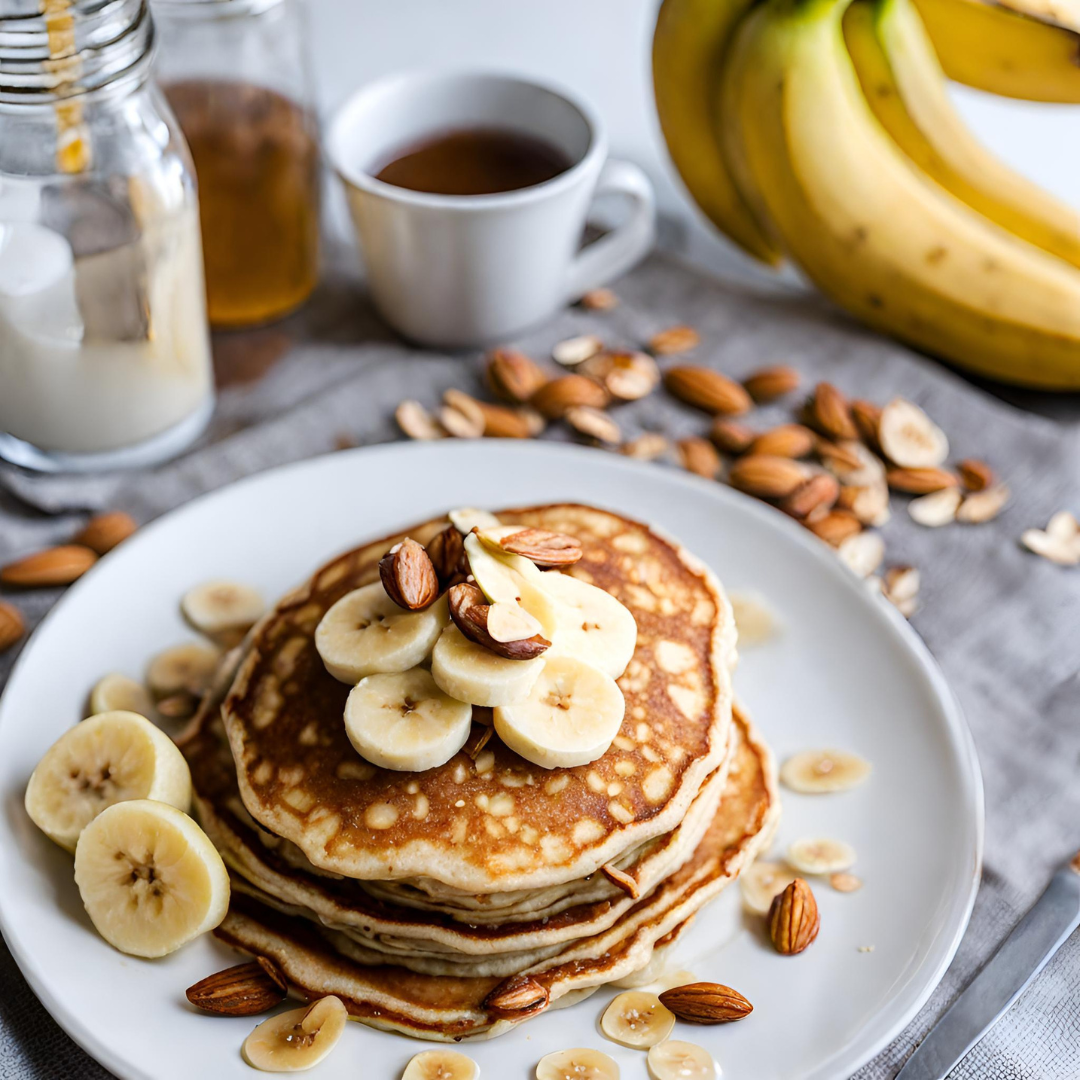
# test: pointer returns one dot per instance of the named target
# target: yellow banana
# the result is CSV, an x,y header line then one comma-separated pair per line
x,y
688,49
868,227
904,85
1000,50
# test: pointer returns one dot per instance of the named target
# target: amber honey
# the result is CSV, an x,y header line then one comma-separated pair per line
x,y
257,163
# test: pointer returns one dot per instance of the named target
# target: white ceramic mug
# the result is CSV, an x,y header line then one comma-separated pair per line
x,y
473,269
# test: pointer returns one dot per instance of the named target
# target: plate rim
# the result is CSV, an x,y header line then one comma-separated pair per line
x,y
841,1064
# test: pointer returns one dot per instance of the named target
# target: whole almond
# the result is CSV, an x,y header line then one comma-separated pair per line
x,y
707,389
446,550
975,474
469,610
554,398
547,549
731,436
12,626
599,300
408,575
513,376
767,476
244,990
56,566
770,383
104,531
867,416
787,440
835,527
819,493
829,410
675,339
706,1003
699,456
920,481
503,423
793,919
518,996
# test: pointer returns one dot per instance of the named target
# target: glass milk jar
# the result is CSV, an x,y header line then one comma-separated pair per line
x,y
104,348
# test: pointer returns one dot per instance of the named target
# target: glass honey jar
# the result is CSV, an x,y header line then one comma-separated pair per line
x,y
236,75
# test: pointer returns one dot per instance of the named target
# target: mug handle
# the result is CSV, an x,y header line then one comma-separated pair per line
x,y
615,253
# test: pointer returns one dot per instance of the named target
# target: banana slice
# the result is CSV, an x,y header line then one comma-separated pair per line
x,y
149,878
675,1060
754,619
569,718
365,633
106,759
441,1065
118,693
298,1039
187,668
592,625
403,721
468,518
637,1020
820,855
760,882
580,1063
512,579
817,771
223,607
469,672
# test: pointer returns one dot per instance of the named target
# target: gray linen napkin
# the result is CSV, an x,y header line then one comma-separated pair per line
x,y
1002,623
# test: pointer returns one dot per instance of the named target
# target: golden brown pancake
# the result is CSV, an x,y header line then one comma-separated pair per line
x,y
319,961
512,825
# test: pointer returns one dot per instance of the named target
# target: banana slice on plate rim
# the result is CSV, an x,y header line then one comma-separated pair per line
x,y
120,693
188,668
674,1059
216,607
298,1039
106,759
441,1065
579,1063
637,1019
402,721
149,878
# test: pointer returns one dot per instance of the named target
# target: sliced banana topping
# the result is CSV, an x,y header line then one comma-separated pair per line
x,y
441,1065
591,624
676,1060
511,622
819,771
183,669
366,633
118,693
298,1039
637,1020
106,759
754,619
512,579
468,518
149,877
403,721
223,607
760,882
820,855
469,672
581,1063
569,718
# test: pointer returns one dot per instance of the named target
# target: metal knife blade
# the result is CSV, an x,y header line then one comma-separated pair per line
x,y
1040,933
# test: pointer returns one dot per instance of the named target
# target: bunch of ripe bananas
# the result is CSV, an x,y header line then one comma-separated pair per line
x,y
822,131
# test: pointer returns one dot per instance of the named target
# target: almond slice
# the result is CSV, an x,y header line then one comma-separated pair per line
x,y
982,506
576,350
594,423
936,509
909,438
416,422
862,553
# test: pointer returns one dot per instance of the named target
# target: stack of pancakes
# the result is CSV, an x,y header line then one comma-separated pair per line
x,y
461,900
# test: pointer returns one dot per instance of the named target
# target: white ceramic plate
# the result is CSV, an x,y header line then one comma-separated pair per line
x,y
846,672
